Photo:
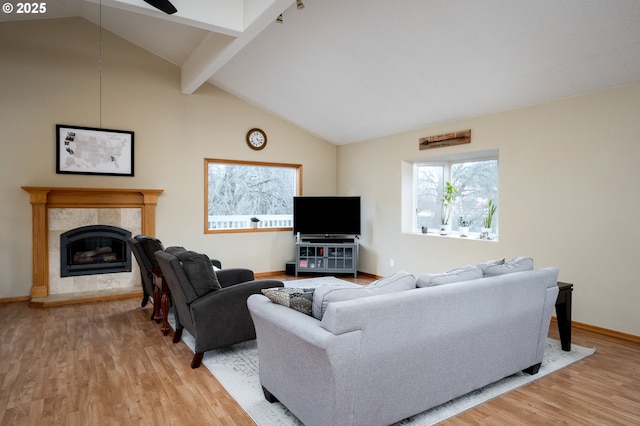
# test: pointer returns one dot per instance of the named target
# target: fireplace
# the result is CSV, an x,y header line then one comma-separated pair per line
x,y
94,249
58,210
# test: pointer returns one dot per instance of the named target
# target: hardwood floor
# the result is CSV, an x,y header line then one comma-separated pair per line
x,y
603,389
106,363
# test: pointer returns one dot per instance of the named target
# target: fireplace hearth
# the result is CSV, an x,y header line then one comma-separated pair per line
x,y
94,249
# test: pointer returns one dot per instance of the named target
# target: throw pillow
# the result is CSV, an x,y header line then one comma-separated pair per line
x,y
197,268
465,273
328,293
299,299
517,264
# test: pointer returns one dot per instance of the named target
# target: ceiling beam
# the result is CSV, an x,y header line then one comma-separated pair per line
x,y
216,50
221,16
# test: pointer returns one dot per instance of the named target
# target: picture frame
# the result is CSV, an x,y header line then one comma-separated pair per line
x,y
94,151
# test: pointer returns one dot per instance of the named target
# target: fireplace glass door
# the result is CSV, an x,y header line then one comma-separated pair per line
x,y
94,249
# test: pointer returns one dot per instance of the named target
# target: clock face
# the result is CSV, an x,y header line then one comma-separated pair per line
x,y
256,139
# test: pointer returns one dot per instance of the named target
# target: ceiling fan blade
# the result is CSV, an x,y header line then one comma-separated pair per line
x,y
163,5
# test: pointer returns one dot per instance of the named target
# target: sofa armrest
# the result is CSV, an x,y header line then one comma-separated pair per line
x,y
216,263
323,389
232,276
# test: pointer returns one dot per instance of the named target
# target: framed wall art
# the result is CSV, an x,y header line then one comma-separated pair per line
x,y
94,151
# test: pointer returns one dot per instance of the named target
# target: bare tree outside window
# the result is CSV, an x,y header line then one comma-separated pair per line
x,y
244,196
476,182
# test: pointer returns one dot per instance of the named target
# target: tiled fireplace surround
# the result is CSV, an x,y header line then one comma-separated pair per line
x,y
57,210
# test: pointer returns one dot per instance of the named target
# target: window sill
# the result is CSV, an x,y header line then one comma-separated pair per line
x,y
456,235
240,230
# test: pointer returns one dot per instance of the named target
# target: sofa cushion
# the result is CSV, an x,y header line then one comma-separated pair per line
x,y
396,282
197,268
299,299
488,263
465,273
327,293
323,291
518,264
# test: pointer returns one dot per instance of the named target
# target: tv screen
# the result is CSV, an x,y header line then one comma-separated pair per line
x,y
326,215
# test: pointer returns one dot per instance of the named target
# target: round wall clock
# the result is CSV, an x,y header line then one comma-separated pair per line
x,y
256,139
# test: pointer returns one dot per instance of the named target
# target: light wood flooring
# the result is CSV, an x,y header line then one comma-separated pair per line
x,y
106,363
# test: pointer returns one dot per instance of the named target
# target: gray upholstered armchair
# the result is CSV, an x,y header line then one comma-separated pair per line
x,y
211,305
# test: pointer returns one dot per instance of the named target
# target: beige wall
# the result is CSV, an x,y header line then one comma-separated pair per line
x,y
49,75
568,169
569,174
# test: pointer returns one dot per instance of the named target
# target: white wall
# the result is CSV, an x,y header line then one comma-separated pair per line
x,y
569,197
49,75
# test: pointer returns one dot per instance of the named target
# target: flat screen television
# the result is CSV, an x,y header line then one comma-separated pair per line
x,y
326,216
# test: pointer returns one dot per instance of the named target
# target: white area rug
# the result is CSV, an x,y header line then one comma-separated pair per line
x,y
312,282
236,368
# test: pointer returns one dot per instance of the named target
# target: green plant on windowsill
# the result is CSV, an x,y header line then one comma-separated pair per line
x,y
464,223
491,210
449,196
463,226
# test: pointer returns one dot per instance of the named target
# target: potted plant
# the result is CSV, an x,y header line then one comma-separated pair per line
x,y
486,230
254,222
463,226
449,196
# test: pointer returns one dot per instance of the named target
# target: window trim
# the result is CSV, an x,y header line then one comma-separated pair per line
x,y
409,183
207,161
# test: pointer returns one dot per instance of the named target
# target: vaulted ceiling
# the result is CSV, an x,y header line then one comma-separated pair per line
x,y
350,70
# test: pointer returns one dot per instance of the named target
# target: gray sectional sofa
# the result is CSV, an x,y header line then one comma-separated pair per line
x,y
384,355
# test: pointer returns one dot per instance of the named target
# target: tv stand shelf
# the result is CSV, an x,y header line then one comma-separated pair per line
x,y
337,256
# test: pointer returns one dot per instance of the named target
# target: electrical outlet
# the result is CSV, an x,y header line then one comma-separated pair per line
x,y
392,262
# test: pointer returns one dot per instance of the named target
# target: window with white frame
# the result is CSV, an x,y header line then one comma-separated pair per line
x,y
475,189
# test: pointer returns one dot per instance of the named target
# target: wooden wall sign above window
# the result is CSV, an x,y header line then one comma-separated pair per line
x,y
448,139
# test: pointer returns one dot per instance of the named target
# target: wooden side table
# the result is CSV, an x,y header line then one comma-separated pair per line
x,y
161,288
563,314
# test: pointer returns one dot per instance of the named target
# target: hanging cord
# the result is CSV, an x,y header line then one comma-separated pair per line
x,y
100,64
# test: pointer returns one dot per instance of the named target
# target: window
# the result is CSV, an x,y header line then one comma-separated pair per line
x,y
476,181
238,191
